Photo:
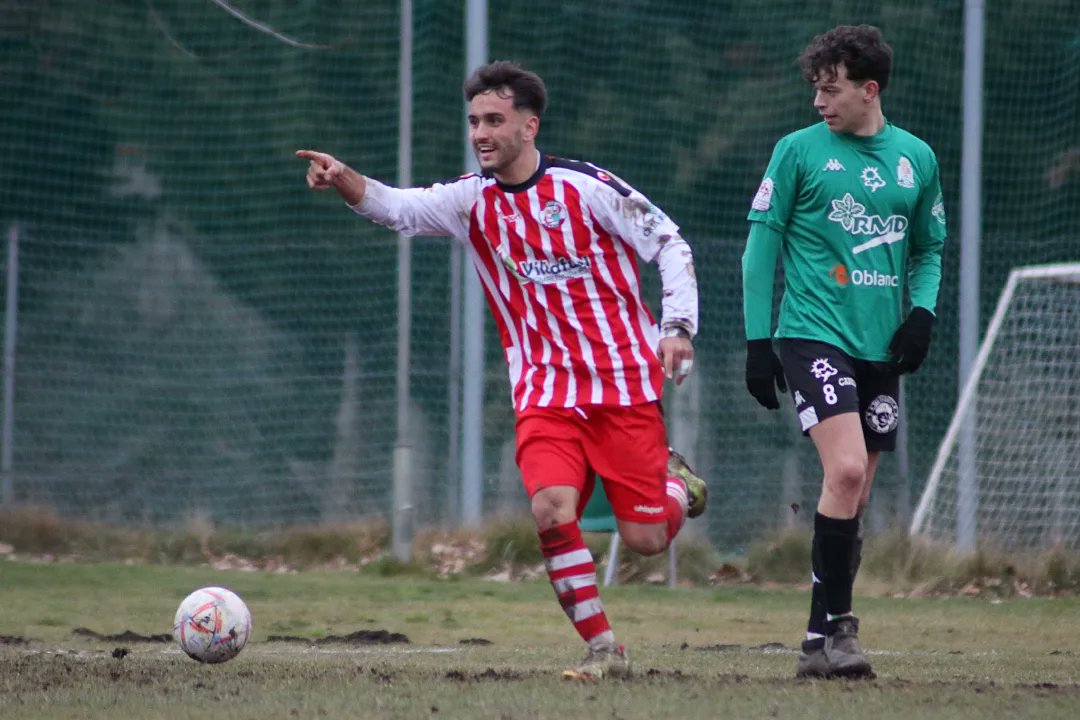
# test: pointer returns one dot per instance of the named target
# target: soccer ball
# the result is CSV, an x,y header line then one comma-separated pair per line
x,y
212,625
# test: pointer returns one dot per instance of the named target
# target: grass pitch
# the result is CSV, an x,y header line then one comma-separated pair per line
x,y
481,649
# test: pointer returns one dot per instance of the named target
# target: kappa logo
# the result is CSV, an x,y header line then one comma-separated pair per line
x,y
799,399
833,165
871,178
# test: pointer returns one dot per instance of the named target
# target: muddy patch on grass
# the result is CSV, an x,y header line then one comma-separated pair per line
x,y
126,636
360,637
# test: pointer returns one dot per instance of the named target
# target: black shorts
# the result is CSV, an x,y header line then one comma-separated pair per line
x,y
825,381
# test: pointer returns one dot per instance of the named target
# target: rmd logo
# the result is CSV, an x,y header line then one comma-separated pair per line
x,y
862,278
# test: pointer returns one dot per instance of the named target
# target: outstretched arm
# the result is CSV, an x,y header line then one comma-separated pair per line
x,y
325,172
439,210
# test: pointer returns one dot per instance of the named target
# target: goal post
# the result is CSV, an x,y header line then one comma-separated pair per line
x,y
1007,472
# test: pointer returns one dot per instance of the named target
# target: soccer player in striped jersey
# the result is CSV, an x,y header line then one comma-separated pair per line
x,y
556,244
853,206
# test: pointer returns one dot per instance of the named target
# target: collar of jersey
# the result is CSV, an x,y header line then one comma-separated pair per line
x,y
533,179
870,141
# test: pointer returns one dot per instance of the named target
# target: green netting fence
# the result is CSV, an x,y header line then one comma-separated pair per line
x,y
200,335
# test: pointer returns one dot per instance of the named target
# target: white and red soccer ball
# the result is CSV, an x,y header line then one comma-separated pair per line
x,y
212,625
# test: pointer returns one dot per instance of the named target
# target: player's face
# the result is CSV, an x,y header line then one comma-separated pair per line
x,y
845,106
500,134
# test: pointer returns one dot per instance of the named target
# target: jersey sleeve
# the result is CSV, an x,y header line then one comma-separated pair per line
x,y
440,210
758,268
927,239
632,217
775,198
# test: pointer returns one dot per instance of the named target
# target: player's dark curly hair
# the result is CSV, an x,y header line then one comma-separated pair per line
x,y
503,76
861,48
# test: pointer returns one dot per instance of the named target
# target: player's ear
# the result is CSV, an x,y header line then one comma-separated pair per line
x,y
871,90
532,127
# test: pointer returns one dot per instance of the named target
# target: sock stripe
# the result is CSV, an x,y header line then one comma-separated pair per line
x,y
677,490
570,559
585,609
573,582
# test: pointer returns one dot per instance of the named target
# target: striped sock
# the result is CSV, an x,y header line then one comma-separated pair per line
x,y
678,502
573,575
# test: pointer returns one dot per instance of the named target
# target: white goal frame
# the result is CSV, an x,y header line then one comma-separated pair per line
x,y
969,392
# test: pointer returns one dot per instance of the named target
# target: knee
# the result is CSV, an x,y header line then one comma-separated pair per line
x,y
848,477
551,509
644,539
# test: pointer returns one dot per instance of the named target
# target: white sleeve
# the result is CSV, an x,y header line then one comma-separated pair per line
x,y
439,210
656,238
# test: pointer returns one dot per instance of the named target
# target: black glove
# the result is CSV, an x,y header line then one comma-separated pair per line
x,y
762,370
912,341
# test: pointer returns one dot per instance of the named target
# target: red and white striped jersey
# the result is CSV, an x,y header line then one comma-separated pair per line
x,y
557,257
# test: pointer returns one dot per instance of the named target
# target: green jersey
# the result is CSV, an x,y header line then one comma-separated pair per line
x,y
858,219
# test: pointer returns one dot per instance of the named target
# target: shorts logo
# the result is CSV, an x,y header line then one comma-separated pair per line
x,y
799,399
905,175
552,215
822,369
763,199
648,509
882,415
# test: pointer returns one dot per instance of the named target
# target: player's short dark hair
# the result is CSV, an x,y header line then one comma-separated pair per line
x,y
861,48
508,78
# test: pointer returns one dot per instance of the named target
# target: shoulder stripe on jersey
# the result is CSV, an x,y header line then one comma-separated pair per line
x,y
466,176
592,171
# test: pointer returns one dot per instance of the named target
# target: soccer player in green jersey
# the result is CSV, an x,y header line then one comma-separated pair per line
x,y
853,207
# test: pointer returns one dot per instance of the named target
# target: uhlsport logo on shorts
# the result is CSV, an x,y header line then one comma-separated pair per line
x,y
883,414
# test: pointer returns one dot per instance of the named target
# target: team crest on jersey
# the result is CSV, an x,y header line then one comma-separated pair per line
x,y
763,199
553,214
883,414
871,178
905,174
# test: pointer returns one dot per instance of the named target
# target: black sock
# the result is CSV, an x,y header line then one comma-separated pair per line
x,y
816,623
836,539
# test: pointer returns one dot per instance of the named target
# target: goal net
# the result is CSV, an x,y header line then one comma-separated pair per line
x,y
1007,474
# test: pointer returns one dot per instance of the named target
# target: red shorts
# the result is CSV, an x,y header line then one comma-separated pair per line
x,y
626,446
